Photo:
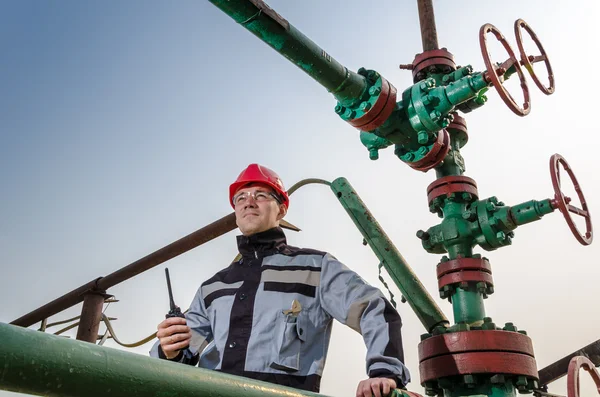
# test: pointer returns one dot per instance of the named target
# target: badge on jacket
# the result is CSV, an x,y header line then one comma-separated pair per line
x,y
295,310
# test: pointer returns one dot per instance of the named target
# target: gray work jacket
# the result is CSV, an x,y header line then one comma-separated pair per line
x,y
268,316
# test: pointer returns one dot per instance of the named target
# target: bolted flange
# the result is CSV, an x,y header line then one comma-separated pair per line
x,y
481,352
376,106
441,60
462,271
429,159
452,184
458,130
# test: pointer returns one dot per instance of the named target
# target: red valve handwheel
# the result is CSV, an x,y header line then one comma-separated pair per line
x,y
494,72
528,61
575,365
562,203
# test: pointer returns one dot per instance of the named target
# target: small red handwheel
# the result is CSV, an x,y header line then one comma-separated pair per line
x,y
528,61
495,72
562,202
575,365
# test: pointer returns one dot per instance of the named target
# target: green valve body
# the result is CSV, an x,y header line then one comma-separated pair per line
x,y
487,223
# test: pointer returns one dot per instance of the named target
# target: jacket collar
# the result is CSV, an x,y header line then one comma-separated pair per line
x,y
261,244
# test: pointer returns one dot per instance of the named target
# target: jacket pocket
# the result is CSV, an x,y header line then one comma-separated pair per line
x,y
289,343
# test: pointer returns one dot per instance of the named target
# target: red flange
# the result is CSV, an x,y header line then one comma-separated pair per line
x,y
562,203
494,73
475,341
465,276
573,374
464,270
380,111
451,184
436,155
458,123
441,57
459,264
458,127
528,60
476,352
385,113
478,363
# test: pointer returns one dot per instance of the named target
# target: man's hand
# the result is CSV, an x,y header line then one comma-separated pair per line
x,y
374,387
173,334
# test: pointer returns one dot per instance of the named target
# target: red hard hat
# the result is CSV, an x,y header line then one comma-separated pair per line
x,y
256,173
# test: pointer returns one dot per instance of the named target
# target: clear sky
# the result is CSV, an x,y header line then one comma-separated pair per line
x,y
122,125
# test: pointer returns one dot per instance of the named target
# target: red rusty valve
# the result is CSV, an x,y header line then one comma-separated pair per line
x,y
529,60
562,203
495,72
575,364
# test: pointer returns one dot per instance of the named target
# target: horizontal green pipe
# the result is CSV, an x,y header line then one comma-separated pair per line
x,y
37,363
407,281
278,33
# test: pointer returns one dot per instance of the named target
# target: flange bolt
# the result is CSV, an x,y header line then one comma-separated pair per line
x,y
374,91
423,235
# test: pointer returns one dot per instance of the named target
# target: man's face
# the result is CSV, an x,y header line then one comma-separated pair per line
x,y
256,210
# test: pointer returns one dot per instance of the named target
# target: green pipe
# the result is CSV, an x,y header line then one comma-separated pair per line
x,y
38,363
530,211
277,32
42,364
468,307
413,291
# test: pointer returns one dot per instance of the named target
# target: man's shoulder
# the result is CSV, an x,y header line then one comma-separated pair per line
x,y
290,250
220,275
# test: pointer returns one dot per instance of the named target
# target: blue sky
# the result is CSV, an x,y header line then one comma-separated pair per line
x,y
123,123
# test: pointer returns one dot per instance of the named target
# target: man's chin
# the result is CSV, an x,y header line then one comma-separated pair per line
x,y
249,230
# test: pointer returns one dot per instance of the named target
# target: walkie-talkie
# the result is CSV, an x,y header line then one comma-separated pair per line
x,y
175,311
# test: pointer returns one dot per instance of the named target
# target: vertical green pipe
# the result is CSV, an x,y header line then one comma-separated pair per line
x,y
413,291
278,33
468,306
453,163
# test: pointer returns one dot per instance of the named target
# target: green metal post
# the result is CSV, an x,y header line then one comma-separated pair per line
x,y
413,291
42,364
277,32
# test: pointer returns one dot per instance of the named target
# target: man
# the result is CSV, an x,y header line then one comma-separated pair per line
x,y
269,314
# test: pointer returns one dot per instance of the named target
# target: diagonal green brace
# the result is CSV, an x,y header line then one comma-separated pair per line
x,y
413,291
